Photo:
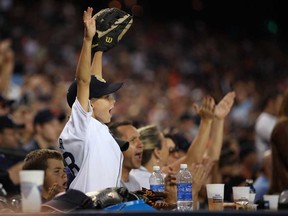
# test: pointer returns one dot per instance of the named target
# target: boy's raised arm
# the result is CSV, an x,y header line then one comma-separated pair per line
x,y
83,73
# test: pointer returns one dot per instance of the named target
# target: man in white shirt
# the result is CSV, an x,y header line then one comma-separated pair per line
x,y
132,156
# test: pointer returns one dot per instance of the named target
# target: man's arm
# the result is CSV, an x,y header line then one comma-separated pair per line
x,y
197,148
7,62
83,75
14,172
221,111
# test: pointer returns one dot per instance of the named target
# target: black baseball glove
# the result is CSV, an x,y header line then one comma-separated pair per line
x,y
111,25
108,196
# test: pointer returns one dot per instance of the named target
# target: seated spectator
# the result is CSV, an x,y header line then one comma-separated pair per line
x,y
55,178
279,137
46,127
262,183
5,105
181,146
188,125
229,167
132,156
155,152
248,160
11,156
266,121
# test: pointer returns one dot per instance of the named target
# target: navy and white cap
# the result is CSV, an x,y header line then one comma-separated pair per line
x,y
97,89
69,201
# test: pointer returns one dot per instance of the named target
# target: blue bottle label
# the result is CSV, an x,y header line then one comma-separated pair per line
x,y
157,188
184,192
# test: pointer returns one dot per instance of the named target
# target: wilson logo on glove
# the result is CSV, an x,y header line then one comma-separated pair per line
x,y
108,39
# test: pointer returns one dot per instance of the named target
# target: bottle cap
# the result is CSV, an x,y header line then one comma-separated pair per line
x,y
249,181
183,166
156,168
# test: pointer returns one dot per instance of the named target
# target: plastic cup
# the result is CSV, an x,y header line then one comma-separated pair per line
x,y
241,193
215,194
273,201
31,182
252,198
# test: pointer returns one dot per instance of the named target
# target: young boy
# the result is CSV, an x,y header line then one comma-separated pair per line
x,y
91,153
55,178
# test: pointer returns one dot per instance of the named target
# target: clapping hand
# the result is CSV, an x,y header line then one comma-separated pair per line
x,y
170,186
224,106
206,111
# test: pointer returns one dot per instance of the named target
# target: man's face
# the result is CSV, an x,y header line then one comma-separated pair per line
x,y
49,130
9,139
133,155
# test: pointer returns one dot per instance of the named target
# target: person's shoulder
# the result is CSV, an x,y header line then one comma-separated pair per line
x,y
265,119
32,145
264,116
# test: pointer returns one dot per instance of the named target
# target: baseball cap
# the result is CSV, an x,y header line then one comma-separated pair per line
x,y
67,202
7,122
97,89
5,101
43,116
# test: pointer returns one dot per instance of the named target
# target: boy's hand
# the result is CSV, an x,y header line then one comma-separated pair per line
x,y
54,190
90,24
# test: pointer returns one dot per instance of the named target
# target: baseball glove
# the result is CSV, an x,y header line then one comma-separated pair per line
x,y
111,25
108,196
154,199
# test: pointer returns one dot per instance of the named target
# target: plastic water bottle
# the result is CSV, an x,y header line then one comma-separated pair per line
x,y
2,191
3,200
156,180
184,189
252,192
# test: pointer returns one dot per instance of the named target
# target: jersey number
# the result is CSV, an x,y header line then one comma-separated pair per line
x,y
70,162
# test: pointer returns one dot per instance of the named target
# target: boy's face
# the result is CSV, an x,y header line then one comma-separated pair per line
x,y
102,108
55,175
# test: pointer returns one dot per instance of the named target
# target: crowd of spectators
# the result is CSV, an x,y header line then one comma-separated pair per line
x,y
166,67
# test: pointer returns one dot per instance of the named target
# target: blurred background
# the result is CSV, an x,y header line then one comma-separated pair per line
x,y
174,53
